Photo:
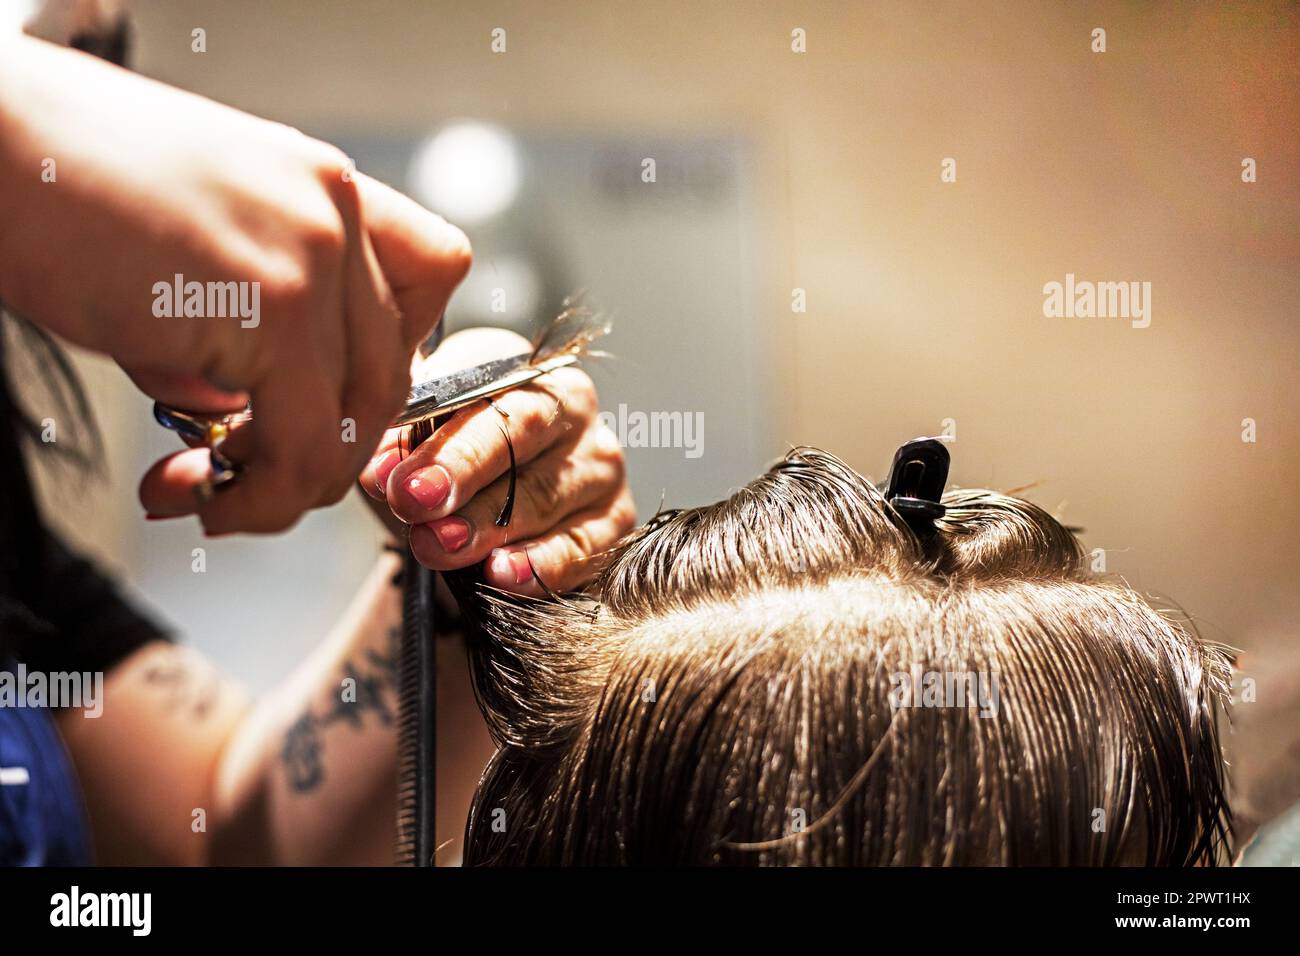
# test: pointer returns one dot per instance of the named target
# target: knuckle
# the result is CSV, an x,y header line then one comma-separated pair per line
x,y
580,540
606,447
472,451
541,410
333,167
539,492
324,238
287,287
580,399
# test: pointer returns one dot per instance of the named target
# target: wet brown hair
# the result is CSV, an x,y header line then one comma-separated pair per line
x,y
769,680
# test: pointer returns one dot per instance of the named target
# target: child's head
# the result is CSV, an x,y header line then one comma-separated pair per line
x,y
792,675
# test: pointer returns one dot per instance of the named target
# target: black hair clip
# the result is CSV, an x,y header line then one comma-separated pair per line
x,y
916,480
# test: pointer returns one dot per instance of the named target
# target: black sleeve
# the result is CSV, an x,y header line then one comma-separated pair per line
x,y
88,625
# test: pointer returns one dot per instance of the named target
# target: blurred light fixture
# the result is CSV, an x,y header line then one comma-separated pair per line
x,y
14,14
466,171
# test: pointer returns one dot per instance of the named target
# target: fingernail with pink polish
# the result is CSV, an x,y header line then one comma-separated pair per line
x,y
384,466
510,566
429,487
452,532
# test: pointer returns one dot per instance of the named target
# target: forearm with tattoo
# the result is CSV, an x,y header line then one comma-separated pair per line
x,y
371,688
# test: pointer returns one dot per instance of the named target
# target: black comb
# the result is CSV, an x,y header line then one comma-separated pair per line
x,y
417,688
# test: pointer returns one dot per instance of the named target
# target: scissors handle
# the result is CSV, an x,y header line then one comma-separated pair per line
x,y
205,431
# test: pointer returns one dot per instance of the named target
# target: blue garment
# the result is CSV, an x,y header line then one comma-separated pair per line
x,y
42,821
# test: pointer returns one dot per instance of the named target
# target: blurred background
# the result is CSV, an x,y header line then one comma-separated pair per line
x,y
814,179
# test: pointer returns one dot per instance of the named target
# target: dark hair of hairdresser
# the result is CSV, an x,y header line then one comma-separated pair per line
x,y
43,368
728,692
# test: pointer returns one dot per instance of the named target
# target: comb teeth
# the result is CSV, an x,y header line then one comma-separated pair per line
x,y
415,726
407,742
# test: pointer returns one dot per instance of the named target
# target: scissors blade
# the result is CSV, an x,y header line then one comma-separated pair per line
x,y
427,399
438,396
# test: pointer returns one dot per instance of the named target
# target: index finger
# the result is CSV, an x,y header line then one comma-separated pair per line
x,y
459,351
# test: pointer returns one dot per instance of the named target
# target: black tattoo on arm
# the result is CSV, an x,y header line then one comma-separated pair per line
x,y
187,682
374,690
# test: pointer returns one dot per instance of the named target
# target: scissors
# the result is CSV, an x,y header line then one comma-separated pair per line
x,y
427,400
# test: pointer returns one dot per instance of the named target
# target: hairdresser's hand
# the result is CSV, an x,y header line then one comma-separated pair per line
x,y
113,186
571,500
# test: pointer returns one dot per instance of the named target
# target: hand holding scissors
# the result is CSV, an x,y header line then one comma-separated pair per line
x,y
514,427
